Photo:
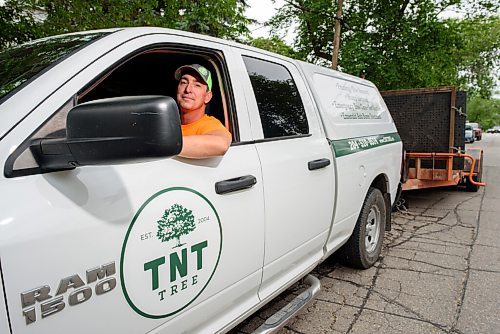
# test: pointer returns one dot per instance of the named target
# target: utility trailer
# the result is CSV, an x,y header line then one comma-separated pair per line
x,y
431,124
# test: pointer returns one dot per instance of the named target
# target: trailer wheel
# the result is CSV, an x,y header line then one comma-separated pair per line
x,y
363,248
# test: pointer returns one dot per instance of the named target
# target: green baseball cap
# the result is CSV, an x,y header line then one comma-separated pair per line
x,y
205,74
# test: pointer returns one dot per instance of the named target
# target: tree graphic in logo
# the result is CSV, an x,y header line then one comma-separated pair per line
x,y
176,222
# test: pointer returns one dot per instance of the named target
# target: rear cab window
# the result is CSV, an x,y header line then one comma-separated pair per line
x,y
281,110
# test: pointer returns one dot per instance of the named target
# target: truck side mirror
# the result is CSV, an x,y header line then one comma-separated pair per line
x,y
113,131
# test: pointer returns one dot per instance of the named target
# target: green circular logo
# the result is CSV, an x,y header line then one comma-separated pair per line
x,y
170,252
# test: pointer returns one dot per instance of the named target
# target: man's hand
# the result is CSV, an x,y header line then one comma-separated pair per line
x,y
211,144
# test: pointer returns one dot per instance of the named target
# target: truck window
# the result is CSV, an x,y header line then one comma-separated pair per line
x,y
149,72
152,73
281,109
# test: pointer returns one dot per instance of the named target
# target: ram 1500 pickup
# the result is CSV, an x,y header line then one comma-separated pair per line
x,y
104,228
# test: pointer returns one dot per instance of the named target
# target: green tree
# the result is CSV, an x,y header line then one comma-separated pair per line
x,y
478,56
175,222
274,44
397,44
28,19
219,18
17,24
486,112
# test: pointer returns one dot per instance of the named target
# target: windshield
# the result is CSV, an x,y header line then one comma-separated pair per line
x,y
468,127
22,63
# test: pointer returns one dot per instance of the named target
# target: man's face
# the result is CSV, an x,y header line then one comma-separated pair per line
x,y
192,93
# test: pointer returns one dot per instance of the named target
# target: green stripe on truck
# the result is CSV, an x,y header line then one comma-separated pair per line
x,y
353,145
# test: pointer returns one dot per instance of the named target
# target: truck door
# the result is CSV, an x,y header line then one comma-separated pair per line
x,y
136,247
297,168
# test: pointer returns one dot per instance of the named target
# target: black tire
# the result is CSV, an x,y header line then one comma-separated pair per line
x,y
363,248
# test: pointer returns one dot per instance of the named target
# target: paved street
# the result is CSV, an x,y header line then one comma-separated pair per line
x,y
439,271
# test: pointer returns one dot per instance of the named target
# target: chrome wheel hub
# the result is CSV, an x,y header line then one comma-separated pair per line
x,y
372,231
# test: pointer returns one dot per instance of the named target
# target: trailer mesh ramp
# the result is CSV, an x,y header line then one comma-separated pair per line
x,y
423,118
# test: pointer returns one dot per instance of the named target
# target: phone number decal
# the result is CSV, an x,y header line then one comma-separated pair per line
x,y
353,145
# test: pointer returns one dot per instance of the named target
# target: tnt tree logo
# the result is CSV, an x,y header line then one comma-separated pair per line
x,y
176,221
163,275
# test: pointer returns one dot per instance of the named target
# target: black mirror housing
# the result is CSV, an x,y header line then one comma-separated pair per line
x,y
112,131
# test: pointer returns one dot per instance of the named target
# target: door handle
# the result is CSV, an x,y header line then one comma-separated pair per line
x,y
317,164
238,183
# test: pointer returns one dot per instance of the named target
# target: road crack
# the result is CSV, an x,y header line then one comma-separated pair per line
x,y
365,299
468,269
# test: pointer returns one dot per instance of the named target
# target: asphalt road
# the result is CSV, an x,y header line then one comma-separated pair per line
x,y
439,271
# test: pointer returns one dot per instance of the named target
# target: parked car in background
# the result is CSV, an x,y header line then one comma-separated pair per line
x,y
495,129
469,134
478,133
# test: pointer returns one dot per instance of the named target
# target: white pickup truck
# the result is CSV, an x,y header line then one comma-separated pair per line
x,y
104,229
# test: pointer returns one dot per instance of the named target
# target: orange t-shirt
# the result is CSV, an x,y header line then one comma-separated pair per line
x,y
202,126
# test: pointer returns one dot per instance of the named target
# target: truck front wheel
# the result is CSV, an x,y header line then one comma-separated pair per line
x,y
363,248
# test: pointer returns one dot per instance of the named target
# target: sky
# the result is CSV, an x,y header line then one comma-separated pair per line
x,y
263,10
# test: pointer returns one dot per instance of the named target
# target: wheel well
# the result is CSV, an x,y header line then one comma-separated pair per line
x,y
381,183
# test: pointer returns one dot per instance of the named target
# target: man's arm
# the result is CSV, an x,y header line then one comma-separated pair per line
x,y
213,143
